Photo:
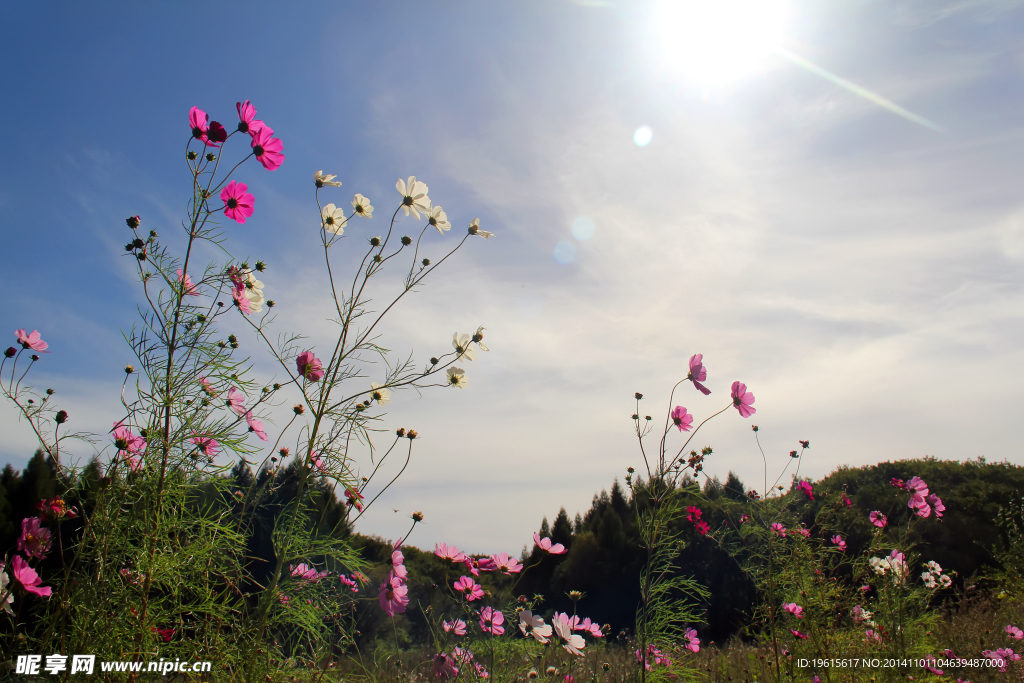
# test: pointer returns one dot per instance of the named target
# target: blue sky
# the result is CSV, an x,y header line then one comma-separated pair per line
x,y
859,271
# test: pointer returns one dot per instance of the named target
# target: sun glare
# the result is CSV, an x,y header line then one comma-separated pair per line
x,y
717,41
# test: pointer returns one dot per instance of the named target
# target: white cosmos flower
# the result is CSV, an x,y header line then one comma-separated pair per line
x,y
457,377
414,196
572,642
538,629
479,338
6,592
253,292
474,229
461,342
334,219
321,179
439,219
379,394
361,205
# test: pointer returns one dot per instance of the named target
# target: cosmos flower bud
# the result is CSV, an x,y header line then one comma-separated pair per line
x,y
261,266
11,352
283,452
635,416
754,428
271,303
138,243
638,396
434,361
211,156
406,240
575,596
49,392
129,369
35,356
374,241
426,262
191,156
377,258
277,386
142,255
400,432
417,516
152,234
133,221
299,409
61,417
129,247
411,434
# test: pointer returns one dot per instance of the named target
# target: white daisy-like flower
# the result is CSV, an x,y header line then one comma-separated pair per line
x,y
414,196
457,377
334,219
571,642
253,292
439,219
474,229
945,581
537,628
461,342
479,338
380,394
322,179
6,592
361,205
929,580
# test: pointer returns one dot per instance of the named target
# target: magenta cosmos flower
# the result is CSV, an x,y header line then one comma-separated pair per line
x,y
936,504
802,636
449,552
742,399
1014,632
236,401
458,627
698,373
393,596
476,565
397,561
28,578
202,129
256,426
506,564
238,202
838,541
267,149
794,609
491,621
469,588
247,121
187,288
546,545
779,529
309,366
208,445
806,487
31,341
35,540
682,419
128,443
692,641
878,519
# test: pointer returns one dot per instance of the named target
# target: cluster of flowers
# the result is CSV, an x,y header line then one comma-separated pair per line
x,y
806,487
921,501
693,516
34,543
894,565
306,574
798,612
742,399
862,616
655,657
933,576
446,666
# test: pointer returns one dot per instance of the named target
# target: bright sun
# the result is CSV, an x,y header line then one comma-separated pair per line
x,y
716,41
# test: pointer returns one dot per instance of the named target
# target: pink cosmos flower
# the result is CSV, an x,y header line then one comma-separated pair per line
x,y
354,498
31,341
533,626
238,202
572,622
207,445
491,621
475,566
693,513
546,545
393,596
898,483
846,500
682,419
744,519
878,519
267,148
838,541
806,487
236,401
188,288
207,387
806,533
35,540
397,561
314,458
591,627
702,527
654,657
698,373
309,366
458,627
446,552
508,565
128,443
1014,632
55,508
199,122
469,588
28,578
692,641
794,609
871,635
936,504
345,581
802,636
256,426
247,121
444,667
779,529
742,399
